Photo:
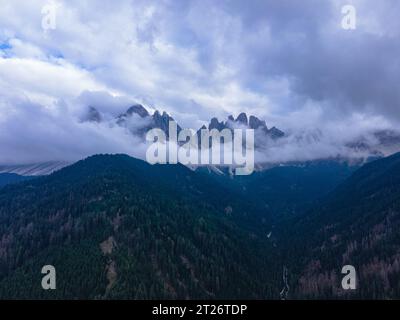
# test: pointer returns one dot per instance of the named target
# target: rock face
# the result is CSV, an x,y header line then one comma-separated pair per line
x,y
255,123
161,121
242,121
275,133
242,118
133,110
215,124
156,120
138,109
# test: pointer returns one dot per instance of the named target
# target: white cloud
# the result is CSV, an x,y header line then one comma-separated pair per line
x,y
45,82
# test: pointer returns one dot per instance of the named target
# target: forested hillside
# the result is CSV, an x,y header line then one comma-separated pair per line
x,y
287,191
116,227
8,178
358,224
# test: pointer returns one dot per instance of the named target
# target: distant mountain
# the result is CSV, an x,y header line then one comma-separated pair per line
x,y
357,224
35,169
93,115
242,121
135,109
378,143
139,121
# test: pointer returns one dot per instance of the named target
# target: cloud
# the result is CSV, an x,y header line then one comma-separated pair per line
x,y
59,136
42,81
289,62
109,105
354,138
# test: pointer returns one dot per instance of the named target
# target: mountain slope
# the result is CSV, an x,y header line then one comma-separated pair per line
x,y
357,224
284,191
290,190
117,227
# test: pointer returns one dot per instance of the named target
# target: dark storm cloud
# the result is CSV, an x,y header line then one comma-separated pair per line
x,y
303,41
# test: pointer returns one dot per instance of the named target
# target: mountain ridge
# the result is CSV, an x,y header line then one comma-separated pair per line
x,y
158,120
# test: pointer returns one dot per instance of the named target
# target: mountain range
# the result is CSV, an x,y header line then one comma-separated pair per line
x,y
116,227
139,121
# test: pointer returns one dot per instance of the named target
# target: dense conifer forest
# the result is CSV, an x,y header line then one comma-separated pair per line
x,y
115,227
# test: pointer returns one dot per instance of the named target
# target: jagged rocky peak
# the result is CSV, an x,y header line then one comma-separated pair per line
x,y
242,118
164,117
252,122
135,109
92,115
215,124
162,121
255,123
138,109
275,132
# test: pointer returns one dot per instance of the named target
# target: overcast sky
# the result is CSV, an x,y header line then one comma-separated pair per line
x,y
288,62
